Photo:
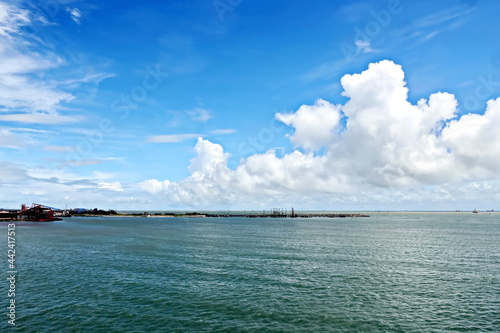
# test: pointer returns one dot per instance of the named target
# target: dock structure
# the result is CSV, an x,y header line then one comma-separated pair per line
x,y
35,213
287,216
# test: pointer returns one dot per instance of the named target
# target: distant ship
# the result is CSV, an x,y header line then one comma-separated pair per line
x,y
475,211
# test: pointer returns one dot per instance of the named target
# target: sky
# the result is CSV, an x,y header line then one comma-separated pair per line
x,y
242,105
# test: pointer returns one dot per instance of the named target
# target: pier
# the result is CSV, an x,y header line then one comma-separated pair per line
x,y
284,213
300,215
273,213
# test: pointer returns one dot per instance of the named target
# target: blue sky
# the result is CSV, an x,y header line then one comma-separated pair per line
x,y
236,104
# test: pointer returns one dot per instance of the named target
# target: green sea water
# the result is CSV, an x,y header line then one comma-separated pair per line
x,y
391,272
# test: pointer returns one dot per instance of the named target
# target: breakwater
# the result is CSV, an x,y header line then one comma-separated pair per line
x,y
295,215
13,216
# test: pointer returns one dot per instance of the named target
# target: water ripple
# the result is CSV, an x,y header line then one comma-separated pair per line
x,y
389,273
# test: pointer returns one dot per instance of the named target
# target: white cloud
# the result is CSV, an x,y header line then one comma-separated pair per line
x,y
112,186
199,114
389,151
169,138
209,158
474,141
314,125
76,15
363,46
154,185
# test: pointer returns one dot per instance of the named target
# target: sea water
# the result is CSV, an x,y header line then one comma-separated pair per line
x,y
391,272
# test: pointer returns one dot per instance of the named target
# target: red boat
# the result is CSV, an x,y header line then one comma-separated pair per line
x,y
37,213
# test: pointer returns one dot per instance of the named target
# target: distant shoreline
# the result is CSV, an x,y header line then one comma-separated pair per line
x,y
247,215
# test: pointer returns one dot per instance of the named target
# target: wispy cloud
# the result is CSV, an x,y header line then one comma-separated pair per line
x,y
12,172
12,19
29,96
19,137
39,118
199,114
30,130
59,149
363,46
430,36
78,162
76,15
170,138
89,78
442,17
322,71
223,131
11,140
425,28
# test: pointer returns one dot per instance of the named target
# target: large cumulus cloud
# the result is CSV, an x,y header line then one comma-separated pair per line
x,y
377,145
